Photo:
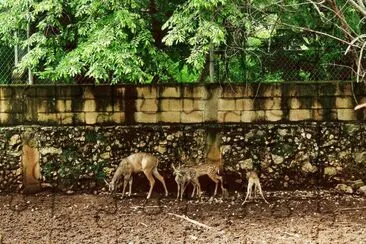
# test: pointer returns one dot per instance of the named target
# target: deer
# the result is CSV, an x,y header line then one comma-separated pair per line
x,y
212,171
134,163
253,180
184,176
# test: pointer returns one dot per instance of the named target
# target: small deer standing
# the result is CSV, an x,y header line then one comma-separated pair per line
x,y
137,162
184,176
253,180
212,171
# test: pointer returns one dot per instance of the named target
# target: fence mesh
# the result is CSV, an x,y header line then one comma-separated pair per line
x,y
6,64
249,66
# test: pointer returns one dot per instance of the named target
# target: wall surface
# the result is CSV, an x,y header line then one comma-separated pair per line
x,y
297,136
250,103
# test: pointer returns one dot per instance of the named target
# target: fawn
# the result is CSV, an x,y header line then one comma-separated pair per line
x,y
137,162
184,176
253,180
212,171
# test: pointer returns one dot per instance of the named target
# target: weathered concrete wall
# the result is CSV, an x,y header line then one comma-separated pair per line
x,y
252,103
298,136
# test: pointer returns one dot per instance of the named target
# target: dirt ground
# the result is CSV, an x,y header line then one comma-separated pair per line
x,y
291,217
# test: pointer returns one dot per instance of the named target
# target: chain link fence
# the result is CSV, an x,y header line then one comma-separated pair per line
x,y
285,65
6,64
249,66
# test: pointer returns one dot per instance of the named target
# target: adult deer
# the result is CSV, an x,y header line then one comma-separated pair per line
x,y
137,162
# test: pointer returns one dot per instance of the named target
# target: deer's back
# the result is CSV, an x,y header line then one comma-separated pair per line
x,y
142,161
204,169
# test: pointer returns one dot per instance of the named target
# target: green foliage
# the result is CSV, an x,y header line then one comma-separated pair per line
x,y
143,41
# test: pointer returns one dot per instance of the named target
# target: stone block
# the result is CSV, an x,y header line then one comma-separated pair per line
x,y
346,114
192,117
188,105
63,106
276,90
248,104
79,118
233,91
118,105
324,114
226,104
118,117
5,105
344,102
175,105
89,106
169,117
87,93
195,92
6,92
248,116
273,103
147,105
103,118
66,118
144,117
147,92
274,115
300,114
47,118
167,105
228,117
199,105
301,102
170,92
91,118
4,117
118,92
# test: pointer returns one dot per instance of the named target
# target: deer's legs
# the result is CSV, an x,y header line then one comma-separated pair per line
x,y
125,182
182,189
249,191
261,193
196,186
151,180
222,183
161,179
130,186
178,190
214,178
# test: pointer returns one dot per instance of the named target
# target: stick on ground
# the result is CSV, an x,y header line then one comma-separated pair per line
x,y
191,220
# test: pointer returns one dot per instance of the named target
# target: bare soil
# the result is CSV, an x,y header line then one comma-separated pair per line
x,y
291,217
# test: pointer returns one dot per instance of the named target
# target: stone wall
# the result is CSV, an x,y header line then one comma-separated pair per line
x,y
298,136
251,103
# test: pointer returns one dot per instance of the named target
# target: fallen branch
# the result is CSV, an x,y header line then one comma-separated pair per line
x,y
141,223
347,209
137,207
191,220
291,234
